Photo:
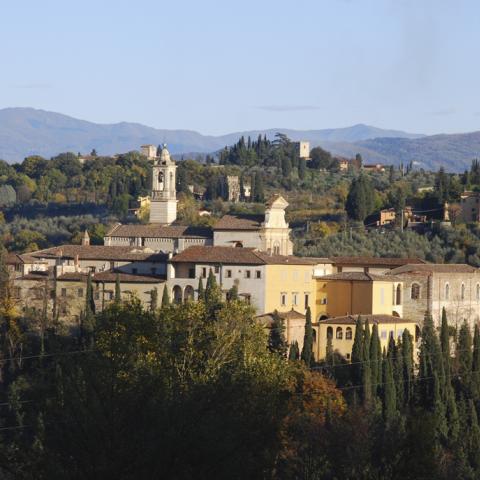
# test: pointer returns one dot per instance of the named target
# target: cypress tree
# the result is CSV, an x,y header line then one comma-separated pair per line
x,y
439,410
445,342
389,397
294,352
276,337
366,372
201,290
212,293
452,415
329,357
357,354
375,360
89,301
473,437
165,297
118,291
476,364
307,350
302,168
153,299
397,365
431,362
407,353
464,358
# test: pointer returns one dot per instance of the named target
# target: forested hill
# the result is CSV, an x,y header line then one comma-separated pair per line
x,y
26,131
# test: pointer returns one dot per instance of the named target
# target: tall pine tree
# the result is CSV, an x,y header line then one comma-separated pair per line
x,y
307,350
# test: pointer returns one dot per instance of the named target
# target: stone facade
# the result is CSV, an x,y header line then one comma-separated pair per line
x,y
430,288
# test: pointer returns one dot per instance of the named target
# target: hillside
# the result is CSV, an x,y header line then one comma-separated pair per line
x,y
26,131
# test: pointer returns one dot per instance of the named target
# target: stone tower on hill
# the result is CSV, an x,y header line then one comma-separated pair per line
x,y
163,206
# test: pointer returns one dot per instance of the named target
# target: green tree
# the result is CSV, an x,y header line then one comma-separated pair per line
x,y
200,290
360,199
154,299
464,358
357,353
118,290
307,350
476,363
375,360
294,352
165,297
389,397
445,341
276,336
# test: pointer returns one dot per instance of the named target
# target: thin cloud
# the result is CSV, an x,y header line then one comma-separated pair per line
x,y
444,112
287,108
33,86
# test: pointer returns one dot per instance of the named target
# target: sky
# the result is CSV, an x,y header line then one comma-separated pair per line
x,y
218,66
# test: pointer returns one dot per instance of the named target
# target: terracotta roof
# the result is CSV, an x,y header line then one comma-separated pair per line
x,y
100,252
356,276
240,222
13,259
228,255
434,268
153,230
352,319
39,275
286,259
291,315
110,276
237,256
375,261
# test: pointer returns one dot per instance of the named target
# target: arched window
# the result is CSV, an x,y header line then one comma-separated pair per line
x,y
348,333
339,334
238,244
329,332
462,291
399,295
160,181
188,294
478,292
172,186
276,248
177,294
447,291
415,291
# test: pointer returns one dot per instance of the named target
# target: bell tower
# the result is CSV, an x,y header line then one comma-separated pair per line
x,y
163,204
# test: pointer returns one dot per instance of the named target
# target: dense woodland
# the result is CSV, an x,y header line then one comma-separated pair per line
x,y
201,390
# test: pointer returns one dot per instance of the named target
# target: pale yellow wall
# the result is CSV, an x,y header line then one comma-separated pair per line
x,y
344,346
354,297
289,279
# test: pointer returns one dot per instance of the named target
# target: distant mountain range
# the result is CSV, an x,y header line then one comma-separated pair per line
x,y
27,131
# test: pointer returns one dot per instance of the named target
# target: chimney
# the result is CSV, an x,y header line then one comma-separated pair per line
x,y
86,238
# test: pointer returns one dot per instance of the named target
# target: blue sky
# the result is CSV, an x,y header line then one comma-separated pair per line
x,y
221,66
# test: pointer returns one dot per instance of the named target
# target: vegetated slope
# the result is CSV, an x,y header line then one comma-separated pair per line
x,y
27,131
454,152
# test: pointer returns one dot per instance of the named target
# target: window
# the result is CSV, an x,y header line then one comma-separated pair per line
x,y
306,300
204,272
229,274
348,333
80,292
329,332
248,273
238,245
399,295
217,269
347,356
91,269
383,334
415,291
462,291
248,298
339,334
64,292
258,274
283,299
191,273
109,295
97,295
447,291
295,298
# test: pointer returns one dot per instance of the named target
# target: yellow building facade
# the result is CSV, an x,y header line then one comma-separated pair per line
x,y
342,332
354,293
